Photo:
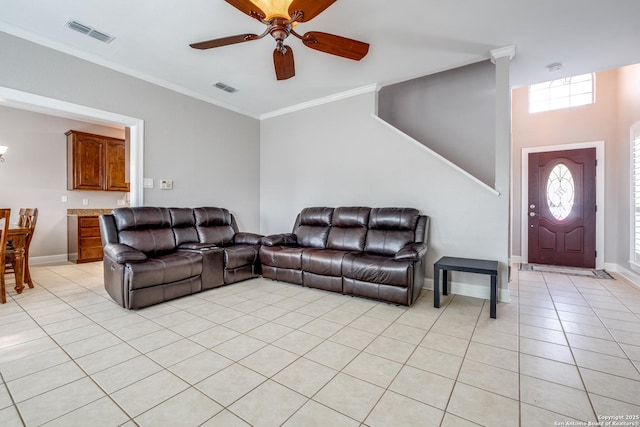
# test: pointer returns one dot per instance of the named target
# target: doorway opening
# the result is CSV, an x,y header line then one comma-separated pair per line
x,y
135,128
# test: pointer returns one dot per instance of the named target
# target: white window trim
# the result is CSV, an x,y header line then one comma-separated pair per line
x,y
549,85
634,261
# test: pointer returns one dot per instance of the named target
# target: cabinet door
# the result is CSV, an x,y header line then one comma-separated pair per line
x,y
115,165
87,162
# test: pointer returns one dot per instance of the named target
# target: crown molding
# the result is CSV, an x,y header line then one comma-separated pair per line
x,y
501,52
319,101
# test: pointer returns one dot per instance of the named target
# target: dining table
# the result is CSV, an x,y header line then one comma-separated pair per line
x,y
18,237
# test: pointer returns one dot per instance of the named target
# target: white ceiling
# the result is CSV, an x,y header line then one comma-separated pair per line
x,y
408,38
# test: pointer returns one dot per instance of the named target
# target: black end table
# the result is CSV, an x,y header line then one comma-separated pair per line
x,y
466,265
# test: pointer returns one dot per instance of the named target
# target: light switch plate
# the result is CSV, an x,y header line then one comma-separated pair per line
x,y
147,182
166,184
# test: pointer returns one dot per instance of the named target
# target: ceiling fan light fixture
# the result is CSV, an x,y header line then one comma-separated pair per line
x,y
275,15
274,8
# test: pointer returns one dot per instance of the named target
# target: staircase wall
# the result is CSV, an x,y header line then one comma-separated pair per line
x,y
452,113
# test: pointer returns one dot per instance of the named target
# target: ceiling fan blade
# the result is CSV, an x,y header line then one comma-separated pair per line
x,y
336,45
310,8
224,41
246,6
283,62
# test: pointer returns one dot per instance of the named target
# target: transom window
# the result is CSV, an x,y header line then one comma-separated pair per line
x,y
562,93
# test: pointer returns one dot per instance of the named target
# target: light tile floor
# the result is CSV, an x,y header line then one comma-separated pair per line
x,y
267,354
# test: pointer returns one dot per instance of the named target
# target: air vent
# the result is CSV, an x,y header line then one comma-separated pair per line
x,y
105,38
225,87
74,25
89,31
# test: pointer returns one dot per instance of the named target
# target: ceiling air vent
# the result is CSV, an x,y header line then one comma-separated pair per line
x,y
89,31
105,38
74,25
225,87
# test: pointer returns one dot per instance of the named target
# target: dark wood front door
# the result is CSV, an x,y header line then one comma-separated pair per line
x,y
562,208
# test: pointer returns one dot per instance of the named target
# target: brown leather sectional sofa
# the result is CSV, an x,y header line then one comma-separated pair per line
x,y
154,254
375,253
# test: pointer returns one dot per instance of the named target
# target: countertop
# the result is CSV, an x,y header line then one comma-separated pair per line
x,y
88,212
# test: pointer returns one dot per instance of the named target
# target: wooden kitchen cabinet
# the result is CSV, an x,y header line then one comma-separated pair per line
x,y
95,162
115,165
83,239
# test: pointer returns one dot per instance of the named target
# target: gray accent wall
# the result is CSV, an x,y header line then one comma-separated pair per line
x,y
212,154
452,112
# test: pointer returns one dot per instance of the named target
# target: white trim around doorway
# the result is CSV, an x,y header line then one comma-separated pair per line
x,y
524,232
41,104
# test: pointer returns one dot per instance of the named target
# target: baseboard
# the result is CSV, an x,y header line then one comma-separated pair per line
x,y
631,276
471,290
516,259
49,259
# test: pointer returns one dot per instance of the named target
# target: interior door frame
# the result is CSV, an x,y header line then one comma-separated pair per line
x,y
524,222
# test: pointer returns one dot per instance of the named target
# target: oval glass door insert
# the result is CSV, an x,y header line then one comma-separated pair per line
x,y
560,191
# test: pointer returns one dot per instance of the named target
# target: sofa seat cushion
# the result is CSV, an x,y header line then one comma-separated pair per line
x,y
377,269
282,257
326,262
164,269
239,256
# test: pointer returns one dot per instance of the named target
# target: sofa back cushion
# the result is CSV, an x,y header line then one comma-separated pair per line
x,y
183,223
312,227
214,225
349,229
390,229
147,229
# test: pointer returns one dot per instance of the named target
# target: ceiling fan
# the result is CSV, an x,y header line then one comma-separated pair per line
x,y
280,17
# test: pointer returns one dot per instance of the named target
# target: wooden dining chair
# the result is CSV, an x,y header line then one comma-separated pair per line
x,y
4,230
27,217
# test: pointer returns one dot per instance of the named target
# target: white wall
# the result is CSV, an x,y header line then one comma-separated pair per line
x,y
628,114
212,154
35,174
337,155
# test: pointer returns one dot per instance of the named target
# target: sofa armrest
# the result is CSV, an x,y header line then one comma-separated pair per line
x,y
411,252
285,239
243,238
121,253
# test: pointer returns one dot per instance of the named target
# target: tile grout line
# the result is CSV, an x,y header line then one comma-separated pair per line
x,y
71,359
455,381
13,402
575,362
611,333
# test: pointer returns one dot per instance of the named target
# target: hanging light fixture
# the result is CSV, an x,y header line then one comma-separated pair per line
x,y
274,8
3,149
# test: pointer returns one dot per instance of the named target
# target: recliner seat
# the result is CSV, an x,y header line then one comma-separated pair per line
x,y
375,253
156,254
